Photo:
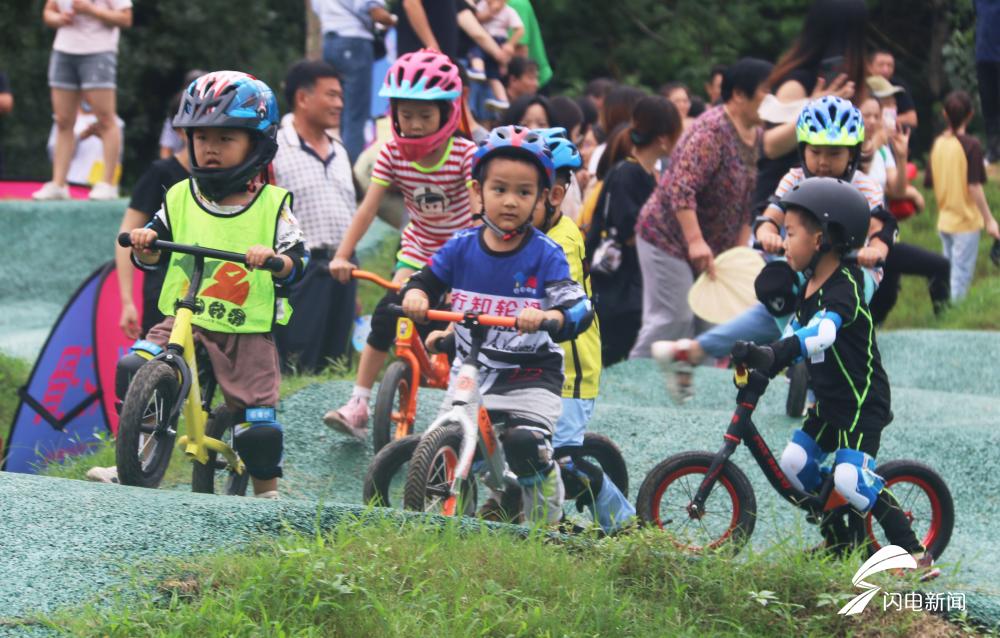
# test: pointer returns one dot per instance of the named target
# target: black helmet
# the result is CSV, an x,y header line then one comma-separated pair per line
x,y
841,209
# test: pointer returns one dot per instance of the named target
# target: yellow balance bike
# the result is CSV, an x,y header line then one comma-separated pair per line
x,y
177,381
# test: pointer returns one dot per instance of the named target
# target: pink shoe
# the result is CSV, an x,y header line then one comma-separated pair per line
x,y
677,369
351,419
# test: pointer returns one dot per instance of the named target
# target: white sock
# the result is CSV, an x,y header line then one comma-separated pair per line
x,y
362,393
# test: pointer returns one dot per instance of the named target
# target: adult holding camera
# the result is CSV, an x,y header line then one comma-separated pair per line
x,y
827,58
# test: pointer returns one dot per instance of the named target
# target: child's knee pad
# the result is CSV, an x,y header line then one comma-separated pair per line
x,y
801,460
383,331
260,443
855,479
528,449
140,352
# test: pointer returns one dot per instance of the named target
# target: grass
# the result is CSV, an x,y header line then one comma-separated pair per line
x,y
13,374
413,579
976,311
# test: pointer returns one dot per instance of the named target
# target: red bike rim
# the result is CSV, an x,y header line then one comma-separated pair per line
x,y
665,483
932,532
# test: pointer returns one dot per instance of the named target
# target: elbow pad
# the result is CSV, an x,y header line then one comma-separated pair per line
x,y
890,227
819,334
576,319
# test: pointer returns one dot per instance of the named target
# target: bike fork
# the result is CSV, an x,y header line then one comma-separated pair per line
x,y
696,508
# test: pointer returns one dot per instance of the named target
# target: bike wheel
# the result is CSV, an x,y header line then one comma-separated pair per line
x,y
925,499
386,476
798,390
391,404
730,511
432,469
604,452
145,438
215,476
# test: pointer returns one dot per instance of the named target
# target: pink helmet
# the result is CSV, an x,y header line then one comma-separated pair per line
x,y
424,75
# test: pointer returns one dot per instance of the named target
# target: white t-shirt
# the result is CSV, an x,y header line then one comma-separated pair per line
x,y
500,25
881,162
86,34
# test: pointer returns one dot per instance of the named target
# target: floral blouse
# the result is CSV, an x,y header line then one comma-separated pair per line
x,y
712,171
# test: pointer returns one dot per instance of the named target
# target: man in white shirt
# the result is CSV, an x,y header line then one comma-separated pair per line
x,y
315,167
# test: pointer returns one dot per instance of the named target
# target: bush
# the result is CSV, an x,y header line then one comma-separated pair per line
x,y
168,38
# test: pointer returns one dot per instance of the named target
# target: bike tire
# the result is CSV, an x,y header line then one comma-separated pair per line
x,y
385,466
155,381
732,484
204,476
395,383
798,390
426,474
608,456
940,519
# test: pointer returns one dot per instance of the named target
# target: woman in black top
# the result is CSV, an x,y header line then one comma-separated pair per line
x,y
147,198
633,152
827,57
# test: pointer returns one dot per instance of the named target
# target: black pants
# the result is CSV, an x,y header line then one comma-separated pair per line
x,y
323,315
988,74
907,259
618,335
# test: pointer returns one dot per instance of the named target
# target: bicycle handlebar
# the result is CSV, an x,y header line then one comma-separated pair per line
x,y
851,257
372,277
549,325
274,264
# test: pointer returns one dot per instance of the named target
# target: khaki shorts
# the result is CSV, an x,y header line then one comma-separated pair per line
x,y
245,365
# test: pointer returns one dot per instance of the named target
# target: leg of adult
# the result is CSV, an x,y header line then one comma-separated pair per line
x,y
988,74
665,310
322,317
964,249
99,81
756,325
353,58
618,339
888,289
65,104
102,101
907,259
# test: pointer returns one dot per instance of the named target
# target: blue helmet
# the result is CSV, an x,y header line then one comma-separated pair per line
x,y
516,141
831,121
230,99
564,152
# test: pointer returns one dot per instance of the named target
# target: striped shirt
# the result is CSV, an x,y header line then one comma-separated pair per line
x,y
868,187
436,198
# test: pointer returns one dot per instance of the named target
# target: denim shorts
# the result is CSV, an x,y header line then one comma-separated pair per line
x,y
75,72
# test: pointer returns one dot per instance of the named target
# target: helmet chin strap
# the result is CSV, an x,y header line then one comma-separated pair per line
x,y
500,232
810,270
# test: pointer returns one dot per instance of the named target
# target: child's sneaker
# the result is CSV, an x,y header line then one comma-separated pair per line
x,y
50,191
926,567
475,75
494,104
351,418
673,359
103,474
103,191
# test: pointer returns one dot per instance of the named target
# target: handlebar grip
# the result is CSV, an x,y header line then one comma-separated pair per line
x,y
395,309
274,264
125,240
757,246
